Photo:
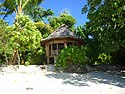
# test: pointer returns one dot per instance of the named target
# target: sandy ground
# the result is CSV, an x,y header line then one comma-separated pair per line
x,y
34,80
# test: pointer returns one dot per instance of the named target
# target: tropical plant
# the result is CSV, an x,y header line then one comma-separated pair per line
x,y
45,29
38,13
106,25
26,35
63,18
17,6
72,55
80,31
6,47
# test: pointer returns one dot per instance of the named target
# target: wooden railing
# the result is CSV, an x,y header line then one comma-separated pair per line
x,y
54,52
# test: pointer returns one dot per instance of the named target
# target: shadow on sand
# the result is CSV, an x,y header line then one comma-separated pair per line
x,y
94,77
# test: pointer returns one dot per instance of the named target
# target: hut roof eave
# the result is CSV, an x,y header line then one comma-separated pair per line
x,y
63,32
44,41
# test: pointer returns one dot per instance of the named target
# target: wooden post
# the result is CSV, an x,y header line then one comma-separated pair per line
x,y
47,60
65,45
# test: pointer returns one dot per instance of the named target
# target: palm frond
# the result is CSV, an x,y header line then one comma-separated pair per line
x,y
1,5
3,13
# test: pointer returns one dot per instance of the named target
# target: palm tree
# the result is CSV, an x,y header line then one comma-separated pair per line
x,y
17,6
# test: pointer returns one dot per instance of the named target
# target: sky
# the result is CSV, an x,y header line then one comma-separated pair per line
x,y
73,6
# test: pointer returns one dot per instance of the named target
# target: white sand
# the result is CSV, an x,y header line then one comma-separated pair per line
x,y
32,80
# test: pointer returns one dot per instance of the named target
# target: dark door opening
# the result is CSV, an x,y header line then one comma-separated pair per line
x,y
51,60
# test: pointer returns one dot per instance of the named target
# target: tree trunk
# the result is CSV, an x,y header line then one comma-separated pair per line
x,y
6,59
19,10
18,58
15,58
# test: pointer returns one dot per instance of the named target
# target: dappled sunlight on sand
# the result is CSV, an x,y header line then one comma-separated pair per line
x,y
34,80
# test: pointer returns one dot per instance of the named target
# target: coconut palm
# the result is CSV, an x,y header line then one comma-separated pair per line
x,y
17,6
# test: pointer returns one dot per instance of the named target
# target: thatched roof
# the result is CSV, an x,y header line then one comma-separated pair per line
x,y
62,32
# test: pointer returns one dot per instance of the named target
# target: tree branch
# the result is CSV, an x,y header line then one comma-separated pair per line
x,y
25,4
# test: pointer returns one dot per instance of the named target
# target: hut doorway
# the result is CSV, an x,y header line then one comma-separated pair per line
x,y
59,39
51,60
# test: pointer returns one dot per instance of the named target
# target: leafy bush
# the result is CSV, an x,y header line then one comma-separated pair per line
x,y
27,63
72,55
104,58
26,38
36,57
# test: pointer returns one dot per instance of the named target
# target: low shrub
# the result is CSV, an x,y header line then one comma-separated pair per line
x,y
72,55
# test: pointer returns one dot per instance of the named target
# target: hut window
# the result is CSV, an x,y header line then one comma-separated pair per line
x,y
54,46
60,46
69,43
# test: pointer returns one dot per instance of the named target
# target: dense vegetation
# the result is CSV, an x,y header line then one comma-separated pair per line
x,y
72,55
104,33
106,26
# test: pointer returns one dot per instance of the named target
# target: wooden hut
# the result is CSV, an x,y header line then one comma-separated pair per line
x,y
59,39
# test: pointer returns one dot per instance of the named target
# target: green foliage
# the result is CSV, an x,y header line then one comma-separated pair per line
x,y
4,32
6,46
72,55
80,30
106,25
26,36
104,59
38,13
0,61
17,6
7,7
27,63
64,18
118,57
44,29
35,57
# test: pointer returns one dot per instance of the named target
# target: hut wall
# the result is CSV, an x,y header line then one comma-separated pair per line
x,y
52,54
